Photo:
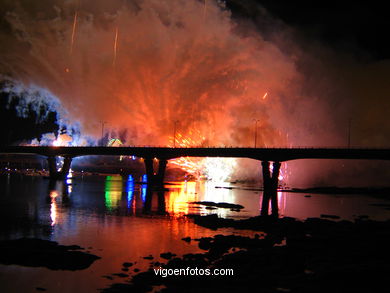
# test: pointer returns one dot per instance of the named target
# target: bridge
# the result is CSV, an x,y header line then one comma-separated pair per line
x,y
267,156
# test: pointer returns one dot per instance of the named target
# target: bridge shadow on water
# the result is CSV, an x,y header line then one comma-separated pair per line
x,y
161,207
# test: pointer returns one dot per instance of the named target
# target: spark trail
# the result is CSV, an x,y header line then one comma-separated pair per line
x,y
73,32
115,46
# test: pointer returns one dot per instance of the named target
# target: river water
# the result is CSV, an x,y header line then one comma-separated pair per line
x,y
112,217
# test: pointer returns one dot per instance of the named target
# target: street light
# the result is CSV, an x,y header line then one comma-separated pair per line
x,y
103,122
174,133
256,120
349,132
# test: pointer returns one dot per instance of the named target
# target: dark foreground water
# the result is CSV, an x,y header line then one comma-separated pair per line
x,y
111,217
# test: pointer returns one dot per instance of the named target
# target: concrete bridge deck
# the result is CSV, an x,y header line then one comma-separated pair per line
x,y
262,154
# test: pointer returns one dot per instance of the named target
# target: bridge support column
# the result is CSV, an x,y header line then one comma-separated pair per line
x,y
59,174
149,171
155,179
65,167
52,166
270,187
162,166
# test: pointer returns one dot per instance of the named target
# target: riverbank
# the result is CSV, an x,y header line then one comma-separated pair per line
x,y
284,255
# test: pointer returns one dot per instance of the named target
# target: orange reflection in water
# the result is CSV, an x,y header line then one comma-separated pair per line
x,y
179,198
53,207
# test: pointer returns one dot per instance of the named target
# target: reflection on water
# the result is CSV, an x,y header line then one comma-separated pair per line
x,y
130,193
53,207
179,197
281,203
143,188
120,219
113,191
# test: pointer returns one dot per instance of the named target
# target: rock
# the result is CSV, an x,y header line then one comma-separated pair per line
x,y
205,203
127,264
229,205
210,205
33,252
205,243
186,239
108,277
318,256
363,217
121,275
167,255
329,216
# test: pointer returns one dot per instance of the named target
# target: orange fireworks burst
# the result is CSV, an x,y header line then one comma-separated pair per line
x,y
218,169
193,139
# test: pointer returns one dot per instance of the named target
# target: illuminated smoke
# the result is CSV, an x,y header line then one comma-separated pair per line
x,y
31,96
174,60
219,169
140,65
32,99
215,169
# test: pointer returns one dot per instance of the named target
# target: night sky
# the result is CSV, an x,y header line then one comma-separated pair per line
x,y
356,28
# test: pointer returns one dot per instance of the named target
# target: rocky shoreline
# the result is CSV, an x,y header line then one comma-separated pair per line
x,y
284,255
280,255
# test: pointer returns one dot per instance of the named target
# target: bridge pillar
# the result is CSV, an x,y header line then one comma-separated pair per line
x,y
270,188
155,179
65,167
52,165
59,174
149,171
162,166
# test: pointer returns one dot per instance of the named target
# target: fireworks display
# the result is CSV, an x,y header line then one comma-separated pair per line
x,y
149,68
141,65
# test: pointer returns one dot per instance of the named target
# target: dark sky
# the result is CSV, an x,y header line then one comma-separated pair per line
x,y
352,26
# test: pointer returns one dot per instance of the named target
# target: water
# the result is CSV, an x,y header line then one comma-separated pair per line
x,y
112,217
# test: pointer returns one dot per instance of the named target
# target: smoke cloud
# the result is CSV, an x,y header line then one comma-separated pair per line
x,y
145,67
141,65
